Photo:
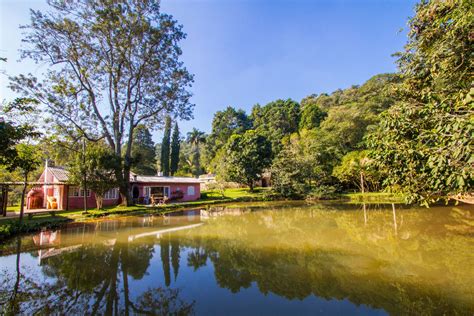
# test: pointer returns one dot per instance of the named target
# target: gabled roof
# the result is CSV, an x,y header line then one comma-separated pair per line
x,y
59,173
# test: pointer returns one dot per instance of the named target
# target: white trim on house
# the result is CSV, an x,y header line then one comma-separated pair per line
x,y
112,194
166,190
78,192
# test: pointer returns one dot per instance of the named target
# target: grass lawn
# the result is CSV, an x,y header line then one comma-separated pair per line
x,y
14,208
238,193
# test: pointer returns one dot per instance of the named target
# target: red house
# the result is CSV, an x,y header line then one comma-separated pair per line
x,y
57,193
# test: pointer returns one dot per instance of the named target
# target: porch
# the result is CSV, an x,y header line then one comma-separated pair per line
x,y
40,197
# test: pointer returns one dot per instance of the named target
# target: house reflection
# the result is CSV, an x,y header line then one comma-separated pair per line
x,y
106,232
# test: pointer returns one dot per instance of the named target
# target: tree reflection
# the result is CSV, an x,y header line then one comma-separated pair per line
x,y
383,263
197,258
404,261
92,279
175,250
165,258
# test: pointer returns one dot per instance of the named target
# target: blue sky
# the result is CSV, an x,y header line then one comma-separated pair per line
x,y
244,52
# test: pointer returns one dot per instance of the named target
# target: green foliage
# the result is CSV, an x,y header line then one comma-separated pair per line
x,y
247,156
302,163
195,139
175,145
165,148
311,113
28,158
15,131
356,166
425,142
143,152
97,168
226,123
322,192
276,120
10,136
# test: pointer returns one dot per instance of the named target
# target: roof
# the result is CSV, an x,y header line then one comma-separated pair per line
x,y
59,173
161,179
62,175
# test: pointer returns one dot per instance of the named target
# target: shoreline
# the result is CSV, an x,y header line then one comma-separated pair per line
x,y
10,227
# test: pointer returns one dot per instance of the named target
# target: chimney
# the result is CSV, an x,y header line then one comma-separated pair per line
x,y
46,165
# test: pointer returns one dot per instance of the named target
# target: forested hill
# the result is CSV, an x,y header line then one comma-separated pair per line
x,y
308,139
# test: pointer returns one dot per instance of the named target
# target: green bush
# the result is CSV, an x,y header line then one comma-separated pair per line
x,y
323,192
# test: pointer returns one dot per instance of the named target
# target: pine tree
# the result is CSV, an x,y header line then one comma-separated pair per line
x,y
165,148
175,144
143,152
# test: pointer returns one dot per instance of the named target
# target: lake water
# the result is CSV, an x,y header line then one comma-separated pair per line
x,y
276,258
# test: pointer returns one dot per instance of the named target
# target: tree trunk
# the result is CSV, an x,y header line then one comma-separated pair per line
x,y
362,182
395,226
124,180
126,291
13,304
84,175
124,185
99,201
365,214
251,185
23,193
4,200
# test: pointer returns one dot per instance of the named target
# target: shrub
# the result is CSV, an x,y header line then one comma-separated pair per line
x,y
323,192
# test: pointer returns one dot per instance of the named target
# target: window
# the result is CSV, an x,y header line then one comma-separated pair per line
x,y
111,194
159,191
76,192
190,190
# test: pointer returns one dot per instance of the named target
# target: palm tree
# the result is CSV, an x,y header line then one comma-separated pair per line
x,y
195,138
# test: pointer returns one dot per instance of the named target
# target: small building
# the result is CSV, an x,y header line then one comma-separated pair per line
x,y
207,180
57,193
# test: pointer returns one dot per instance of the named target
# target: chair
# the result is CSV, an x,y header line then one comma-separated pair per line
x,y
52,203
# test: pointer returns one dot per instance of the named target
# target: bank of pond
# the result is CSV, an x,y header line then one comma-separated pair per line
x,y
286,257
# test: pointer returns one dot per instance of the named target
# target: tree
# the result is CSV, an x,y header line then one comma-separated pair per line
x,y
15,151
247,157
224,124
195,139
113,65
12,132
175,145
143,152
357,169
311,113
10,136
304,161
27,160
165,148
424,142
276,120
99,166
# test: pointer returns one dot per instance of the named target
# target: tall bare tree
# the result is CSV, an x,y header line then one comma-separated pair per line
x,y
112,65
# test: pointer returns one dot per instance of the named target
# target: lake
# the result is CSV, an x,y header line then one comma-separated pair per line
x,y
276,258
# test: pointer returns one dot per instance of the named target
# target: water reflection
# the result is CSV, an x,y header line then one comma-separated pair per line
x,y
403,261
